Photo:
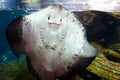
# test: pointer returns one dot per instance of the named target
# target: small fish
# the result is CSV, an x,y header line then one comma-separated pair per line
x,y
54,41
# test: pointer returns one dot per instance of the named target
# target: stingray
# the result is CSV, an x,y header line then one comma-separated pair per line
x,y
54,41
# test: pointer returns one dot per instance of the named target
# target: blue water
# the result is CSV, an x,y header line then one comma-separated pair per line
x,y
6,17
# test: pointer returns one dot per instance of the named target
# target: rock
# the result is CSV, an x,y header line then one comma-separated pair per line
x,y
101,27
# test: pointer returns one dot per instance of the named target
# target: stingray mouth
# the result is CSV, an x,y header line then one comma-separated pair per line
x,y
54,24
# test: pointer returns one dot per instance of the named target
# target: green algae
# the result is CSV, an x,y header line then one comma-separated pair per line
x,y
115,47
15,70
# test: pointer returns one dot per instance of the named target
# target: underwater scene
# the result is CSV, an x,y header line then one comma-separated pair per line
x,y
33,49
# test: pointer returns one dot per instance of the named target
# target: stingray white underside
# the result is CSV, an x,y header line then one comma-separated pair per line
x,y
55,38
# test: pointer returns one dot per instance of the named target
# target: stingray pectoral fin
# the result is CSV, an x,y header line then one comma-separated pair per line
x,y
14,35
89,54
82,63
16,50
89,51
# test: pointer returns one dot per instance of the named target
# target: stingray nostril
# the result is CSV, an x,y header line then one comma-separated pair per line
x,y
48,17
61,20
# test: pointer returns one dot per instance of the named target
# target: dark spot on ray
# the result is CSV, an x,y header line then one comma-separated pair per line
x,y
73,20
53,48
48,17
34,41
46,46
39,47
61,20
28,28
41,34
26,23
42,40
60,54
